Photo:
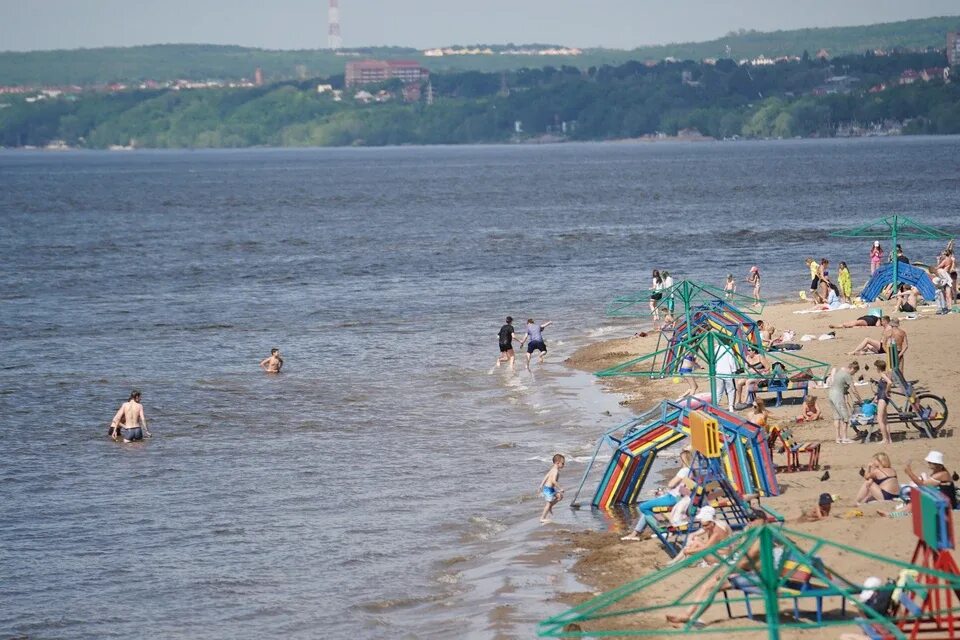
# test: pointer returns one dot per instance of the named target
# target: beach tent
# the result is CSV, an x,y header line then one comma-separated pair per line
x,y
680,298
895,228
906,274
744,452
792,572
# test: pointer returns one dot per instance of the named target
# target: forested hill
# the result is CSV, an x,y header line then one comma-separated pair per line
x,y
199,62
851,95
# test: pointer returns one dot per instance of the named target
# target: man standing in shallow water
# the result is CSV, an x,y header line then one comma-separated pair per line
x,y
274,363
506,338
131,414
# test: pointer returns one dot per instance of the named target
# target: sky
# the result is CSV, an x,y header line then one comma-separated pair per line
x,y
302,24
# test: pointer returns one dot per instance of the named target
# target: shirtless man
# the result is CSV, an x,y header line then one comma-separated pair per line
x,y
274,363
131,414
869,345
907,299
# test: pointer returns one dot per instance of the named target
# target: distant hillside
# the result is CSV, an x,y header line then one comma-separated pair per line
x,y
200,62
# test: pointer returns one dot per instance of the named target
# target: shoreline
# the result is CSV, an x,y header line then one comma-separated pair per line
x,y
603,562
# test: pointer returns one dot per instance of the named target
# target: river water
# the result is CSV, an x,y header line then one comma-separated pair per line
x,y
383,485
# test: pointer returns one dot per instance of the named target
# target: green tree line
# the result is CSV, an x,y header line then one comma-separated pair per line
x,y
603,102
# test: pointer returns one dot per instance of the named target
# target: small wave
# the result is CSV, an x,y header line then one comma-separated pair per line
x,y
483,528
601,331
399,603
450,578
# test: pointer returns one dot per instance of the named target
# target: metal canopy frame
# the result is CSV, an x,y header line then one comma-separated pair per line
x,y
688,293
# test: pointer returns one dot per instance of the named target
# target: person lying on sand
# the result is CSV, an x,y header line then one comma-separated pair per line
x,y
820,511
862,321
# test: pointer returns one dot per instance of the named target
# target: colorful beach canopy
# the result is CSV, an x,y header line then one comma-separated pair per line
x,y
895,228
678,299
786,573
744,453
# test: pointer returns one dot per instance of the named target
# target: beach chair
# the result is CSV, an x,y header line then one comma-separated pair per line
x,y
781,386
797,581
795,448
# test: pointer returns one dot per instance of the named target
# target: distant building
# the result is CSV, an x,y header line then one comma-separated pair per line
x,y
373,71
823,54
953,48
909,77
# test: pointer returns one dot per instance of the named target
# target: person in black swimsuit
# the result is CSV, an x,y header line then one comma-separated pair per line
x,y
884,382
879,481
862,321
506,339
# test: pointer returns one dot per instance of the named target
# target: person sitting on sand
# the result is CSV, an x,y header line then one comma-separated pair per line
x,y
870,345
907,299
671,496
766,333
819,512
759,414
879,481
748,563
810,411
678,513
711,532
938,477
831,302
863,321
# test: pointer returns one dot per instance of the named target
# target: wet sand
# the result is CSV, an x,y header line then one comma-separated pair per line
x,y
604,562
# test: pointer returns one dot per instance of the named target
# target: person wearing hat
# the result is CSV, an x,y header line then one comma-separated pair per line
x,y
711,532
821,510
748,563
876,256
938,477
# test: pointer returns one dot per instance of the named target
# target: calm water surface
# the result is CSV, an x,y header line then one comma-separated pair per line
x,y
382,486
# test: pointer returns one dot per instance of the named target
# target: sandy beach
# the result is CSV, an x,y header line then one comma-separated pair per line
x,y
604,562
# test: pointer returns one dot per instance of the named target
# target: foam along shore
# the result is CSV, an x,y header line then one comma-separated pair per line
x,y
604,562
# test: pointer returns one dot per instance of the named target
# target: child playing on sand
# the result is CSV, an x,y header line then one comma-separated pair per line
x,y
820,511
730,287
550,487
810,412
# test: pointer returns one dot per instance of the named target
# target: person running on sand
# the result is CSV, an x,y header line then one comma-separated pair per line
x,y
876,256
550,487
880,481
748,563
730,287
845,282
535,335
819,512
131,415
272,363
884,383
938,477
754,279
506,338
840,387
810,411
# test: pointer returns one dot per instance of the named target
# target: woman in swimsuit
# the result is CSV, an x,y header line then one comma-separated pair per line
x,y
883,399
759,415
938,477
656,292
687,365
756,364
754,279
876,256
944,267
880,481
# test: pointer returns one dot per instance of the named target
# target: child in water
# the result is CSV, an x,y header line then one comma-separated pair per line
x,y
550,487
730,287
810,411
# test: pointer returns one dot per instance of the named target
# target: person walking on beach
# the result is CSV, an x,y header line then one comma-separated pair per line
x,y
506,338
129,422
840,388
550,487
876,256
656,293
534,340
272,363
730,287
725,368
667,284
754,279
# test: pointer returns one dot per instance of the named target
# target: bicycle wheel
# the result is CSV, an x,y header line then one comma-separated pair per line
x,y
929,411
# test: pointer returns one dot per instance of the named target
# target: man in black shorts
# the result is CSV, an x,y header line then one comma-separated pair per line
x,y
506,339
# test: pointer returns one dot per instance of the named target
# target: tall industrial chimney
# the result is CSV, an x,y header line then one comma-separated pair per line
x,y
334,41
